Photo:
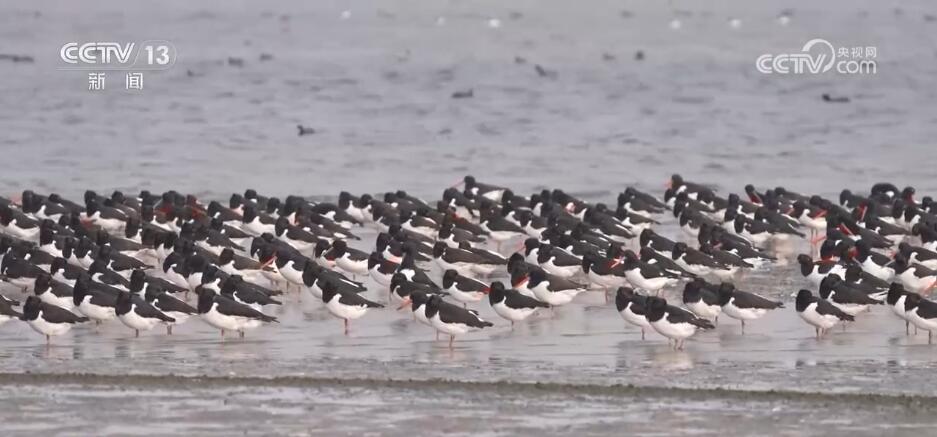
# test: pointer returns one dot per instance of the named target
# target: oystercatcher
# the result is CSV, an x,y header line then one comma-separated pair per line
x,y
914,277
48,319
633,308
742,305
922,313
846,298
511,304
451,319
138,314
819,313
647,277
816,271
463,288
701,301
555,292
896,298
226,314
345,305
674,323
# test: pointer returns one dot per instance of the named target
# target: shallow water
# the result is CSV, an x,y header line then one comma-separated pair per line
x,y
377,88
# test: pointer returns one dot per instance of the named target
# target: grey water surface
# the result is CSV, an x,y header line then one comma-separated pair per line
x,y
376,86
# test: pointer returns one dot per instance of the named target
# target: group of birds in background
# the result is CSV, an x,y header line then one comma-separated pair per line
x,y
141,259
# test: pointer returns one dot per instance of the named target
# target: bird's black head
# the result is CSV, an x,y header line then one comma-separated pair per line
x,y
678,250
828,283
691,292
496,293
321,247
535,278
80,290
311,272
124,302
514,261
530,244
803,300
281,225
726,292
432,305
805,260
676,180
895,291
449,277
911,301
206,299
545,253
655,308
31,308
417,299
137,280
623,297
439,249
339,247
43,281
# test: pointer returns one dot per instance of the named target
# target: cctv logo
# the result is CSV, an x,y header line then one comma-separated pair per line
x,y
96,52
149,55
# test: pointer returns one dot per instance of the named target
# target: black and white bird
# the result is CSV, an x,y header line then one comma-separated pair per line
x,y
381,270
645,276
914,277
98,303
351,261
226,314
452,320
345,305
633,308
701,301
922,313
138,314
742,305
463,261
511,304
555,291
48,319
54,292
819,313
463,288
672,322
815,271
558,261
845,297
165,302
897,296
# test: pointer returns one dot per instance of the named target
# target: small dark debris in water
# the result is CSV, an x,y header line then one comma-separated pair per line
x,y
929,17
266,57
828,98
515,15
16,58
235,62
626,14
445,131
608,57
467,94
519,60
639,55
305,130
191,73
543,72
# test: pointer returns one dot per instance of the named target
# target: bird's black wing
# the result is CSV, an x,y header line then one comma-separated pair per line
x,y
355,299
233,308
744,299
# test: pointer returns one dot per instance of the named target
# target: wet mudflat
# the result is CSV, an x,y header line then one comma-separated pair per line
x,y
305,406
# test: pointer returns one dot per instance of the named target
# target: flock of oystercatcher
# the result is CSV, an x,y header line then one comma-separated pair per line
x,y
156,260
